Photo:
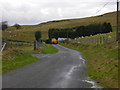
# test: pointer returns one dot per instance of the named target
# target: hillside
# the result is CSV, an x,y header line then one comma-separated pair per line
x,y
26,33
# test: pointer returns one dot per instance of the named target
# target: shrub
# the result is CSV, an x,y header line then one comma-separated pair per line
x,y
37,35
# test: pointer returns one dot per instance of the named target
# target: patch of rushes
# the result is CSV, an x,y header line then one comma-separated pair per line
x,y
102,62
49,49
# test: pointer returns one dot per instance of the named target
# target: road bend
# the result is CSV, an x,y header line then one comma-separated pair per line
x,y
65,69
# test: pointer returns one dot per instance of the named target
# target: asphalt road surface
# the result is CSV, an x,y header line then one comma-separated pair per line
x,y
65,69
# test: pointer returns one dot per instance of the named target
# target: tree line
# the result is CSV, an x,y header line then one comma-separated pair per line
x,y
80,31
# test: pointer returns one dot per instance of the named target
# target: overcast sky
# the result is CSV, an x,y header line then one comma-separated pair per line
x,y
27,12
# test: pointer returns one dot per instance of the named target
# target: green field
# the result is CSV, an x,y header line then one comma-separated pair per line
x,y
26,33
102,61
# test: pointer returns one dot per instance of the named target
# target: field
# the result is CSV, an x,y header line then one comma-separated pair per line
x,y
102,61
26,33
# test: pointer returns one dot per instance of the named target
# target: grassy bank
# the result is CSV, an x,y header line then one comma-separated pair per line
x,y
17,56
102,62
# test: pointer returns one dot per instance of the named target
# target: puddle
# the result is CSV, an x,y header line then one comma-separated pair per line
x,y
74,68
93,83
83,60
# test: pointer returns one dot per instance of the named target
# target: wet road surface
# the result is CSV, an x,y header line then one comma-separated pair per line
x,y
65,69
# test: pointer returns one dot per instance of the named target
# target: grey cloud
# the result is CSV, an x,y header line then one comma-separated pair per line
x,y
36,11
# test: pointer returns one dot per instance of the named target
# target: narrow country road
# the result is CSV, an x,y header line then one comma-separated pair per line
x,y
65,69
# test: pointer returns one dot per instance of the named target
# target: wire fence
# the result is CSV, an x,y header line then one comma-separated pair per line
x,y
38,44
7,43
98,39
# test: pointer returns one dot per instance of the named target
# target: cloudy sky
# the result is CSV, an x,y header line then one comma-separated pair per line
x,y
27,12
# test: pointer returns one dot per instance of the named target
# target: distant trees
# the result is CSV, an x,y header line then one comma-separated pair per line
x,y
61,33
109,27
79,31
94,29
4,25
37,35
17,26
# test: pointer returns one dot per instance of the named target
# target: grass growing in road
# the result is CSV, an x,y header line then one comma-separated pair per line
x,y
102,62
49,49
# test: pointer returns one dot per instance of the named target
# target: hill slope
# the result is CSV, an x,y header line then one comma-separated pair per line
x,y
26,33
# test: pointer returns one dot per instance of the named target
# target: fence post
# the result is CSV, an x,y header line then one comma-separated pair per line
x,y
6,44
100,40
106,39
103,39
97,40
94,40
34,44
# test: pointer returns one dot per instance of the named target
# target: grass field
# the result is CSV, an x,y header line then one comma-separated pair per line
x,y
17,56
26,33
102,62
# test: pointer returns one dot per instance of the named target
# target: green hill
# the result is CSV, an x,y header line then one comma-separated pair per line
x,y
26,33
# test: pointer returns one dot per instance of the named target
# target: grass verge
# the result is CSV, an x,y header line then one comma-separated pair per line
x,y
102,62
49,49
17,56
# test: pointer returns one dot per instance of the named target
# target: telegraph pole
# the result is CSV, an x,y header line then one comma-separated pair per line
x,y
117,21
67,34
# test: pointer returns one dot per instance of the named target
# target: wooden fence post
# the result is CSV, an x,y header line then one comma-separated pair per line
x,y
6,44
97,41
106,39
34,44
100,40
103,39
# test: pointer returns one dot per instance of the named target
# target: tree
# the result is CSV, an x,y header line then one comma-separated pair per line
x,y
104,26
17,26
37,35
4,25
109,27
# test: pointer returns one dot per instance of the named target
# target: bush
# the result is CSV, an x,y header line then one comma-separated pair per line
x,y
37,35
79,31
4,25
17,26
